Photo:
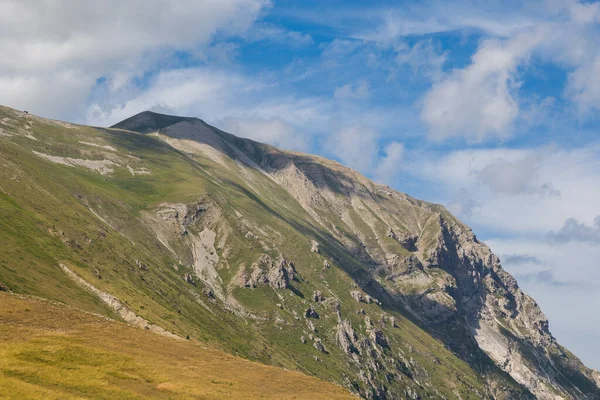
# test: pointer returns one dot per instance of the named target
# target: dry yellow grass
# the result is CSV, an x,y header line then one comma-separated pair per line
x,y
52,351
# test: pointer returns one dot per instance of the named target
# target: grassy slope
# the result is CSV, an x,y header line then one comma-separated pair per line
x,y
39,199
52,351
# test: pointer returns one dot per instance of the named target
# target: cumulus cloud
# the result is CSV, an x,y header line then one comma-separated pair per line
x,y
516,177
575,231
463,204
359,147
479,101
545,277
58,50
356,146
275,131
390,164
509,202
584,87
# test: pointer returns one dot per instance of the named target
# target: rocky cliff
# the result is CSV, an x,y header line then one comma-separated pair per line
x,y
281,257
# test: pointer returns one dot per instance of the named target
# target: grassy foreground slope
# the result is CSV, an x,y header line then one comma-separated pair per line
x,y
52,351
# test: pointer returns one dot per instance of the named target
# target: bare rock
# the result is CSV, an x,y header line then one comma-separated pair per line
x,y
409,242
208,292
318,344
189,278
281,274
311,313
318,296
364,298
346,337
392,234
277,273
378,338
314,247
356,295
141,265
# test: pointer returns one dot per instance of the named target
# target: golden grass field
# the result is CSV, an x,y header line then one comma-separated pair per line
x,y
52,351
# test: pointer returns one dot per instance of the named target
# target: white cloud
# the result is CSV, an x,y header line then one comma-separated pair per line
x,y
360,91
424,57
517,176
462,203
574,231
495,19
79,42
390,164
519,191
275,131
355,146
277,34
584,87
478,102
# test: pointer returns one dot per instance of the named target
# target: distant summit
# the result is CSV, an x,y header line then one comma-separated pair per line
x,y
148,121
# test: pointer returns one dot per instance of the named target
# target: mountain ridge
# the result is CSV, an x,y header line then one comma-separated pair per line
x,y
250,231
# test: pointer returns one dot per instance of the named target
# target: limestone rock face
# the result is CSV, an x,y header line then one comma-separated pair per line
x,y
281,273
277,273
346,337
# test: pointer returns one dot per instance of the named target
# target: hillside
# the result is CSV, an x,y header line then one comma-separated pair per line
x,y
52,351
284,258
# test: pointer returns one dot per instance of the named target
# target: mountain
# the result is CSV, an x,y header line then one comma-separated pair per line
x,y
284,258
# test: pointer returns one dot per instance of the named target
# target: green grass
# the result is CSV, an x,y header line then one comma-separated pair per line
x,y
50,351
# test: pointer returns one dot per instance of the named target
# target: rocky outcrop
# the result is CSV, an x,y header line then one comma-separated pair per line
x,y
314,246
318,344
363,298
277,273
346,337
502,321
310,312
318,296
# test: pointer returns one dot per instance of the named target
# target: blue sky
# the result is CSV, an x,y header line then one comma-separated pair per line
x,y
490,108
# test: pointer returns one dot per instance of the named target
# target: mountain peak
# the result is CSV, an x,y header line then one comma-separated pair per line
x,y
150,121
